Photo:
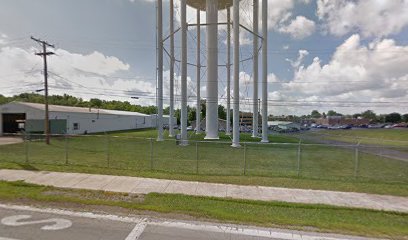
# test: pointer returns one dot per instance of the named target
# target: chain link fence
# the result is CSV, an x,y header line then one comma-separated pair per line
x,y
318,161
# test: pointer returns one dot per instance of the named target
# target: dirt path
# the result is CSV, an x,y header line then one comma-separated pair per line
x,y
10,140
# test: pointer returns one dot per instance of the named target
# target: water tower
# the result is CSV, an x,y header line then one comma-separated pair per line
x,y
212,7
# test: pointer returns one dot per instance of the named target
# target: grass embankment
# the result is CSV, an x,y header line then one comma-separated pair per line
x,y
379,137
269,214
130,153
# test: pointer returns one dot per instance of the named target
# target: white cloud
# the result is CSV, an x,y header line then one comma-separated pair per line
x,y
302,54
191,86
95,62
368,17
272,78
279,11
82,75
299,28
3,38
356,71
245,79
276,96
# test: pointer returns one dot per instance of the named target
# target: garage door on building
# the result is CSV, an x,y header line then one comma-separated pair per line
x,y
11,122
36,126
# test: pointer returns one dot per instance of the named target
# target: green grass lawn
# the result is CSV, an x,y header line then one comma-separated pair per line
x,y
269,214
244,137
129,151
133,153
386,137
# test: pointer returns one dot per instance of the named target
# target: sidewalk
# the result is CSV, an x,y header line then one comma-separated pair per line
x,y
147,185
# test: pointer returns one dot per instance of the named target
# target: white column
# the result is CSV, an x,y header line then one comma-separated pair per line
x,y
265,71
198,77
255,69
171,119
212,70
235,102
183,6
160,70
228,127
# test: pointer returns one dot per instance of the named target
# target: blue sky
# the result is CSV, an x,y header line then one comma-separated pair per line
x,y
347,55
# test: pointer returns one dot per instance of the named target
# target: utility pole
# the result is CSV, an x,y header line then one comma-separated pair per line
x,y
44,55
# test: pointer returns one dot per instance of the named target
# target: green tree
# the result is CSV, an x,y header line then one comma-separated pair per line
x,y
203,108
357,115
191,114
405,117
369,114
166,111
222,113
94,102
315,114
393,118
177,114
332,113
3,99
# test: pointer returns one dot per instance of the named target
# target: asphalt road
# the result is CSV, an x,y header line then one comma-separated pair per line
x,y
32,227
25,223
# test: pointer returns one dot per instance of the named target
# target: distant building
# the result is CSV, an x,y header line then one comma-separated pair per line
x,y
284,125
341,120
166,119
222,124
15,116
246,120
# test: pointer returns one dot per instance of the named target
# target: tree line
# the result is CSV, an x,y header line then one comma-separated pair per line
x,y
68,100
368,114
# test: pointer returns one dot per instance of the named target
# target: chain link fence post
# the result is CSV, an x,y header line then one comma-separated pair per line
x,y
151,154
197,157
26,147
107,139
299,157
356,159
245,159
66,148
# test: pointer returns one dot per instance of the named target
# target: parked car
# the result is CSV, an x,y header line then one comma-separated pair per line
x,y
335,127
348,126
363,126
381,125
399,125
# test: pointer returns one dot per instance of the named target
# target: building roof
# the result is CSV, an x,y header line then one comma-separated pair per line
x,y
58,108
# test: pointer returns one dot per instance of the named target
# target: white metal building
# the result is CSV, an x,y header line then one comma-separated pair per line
x,y
71,120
